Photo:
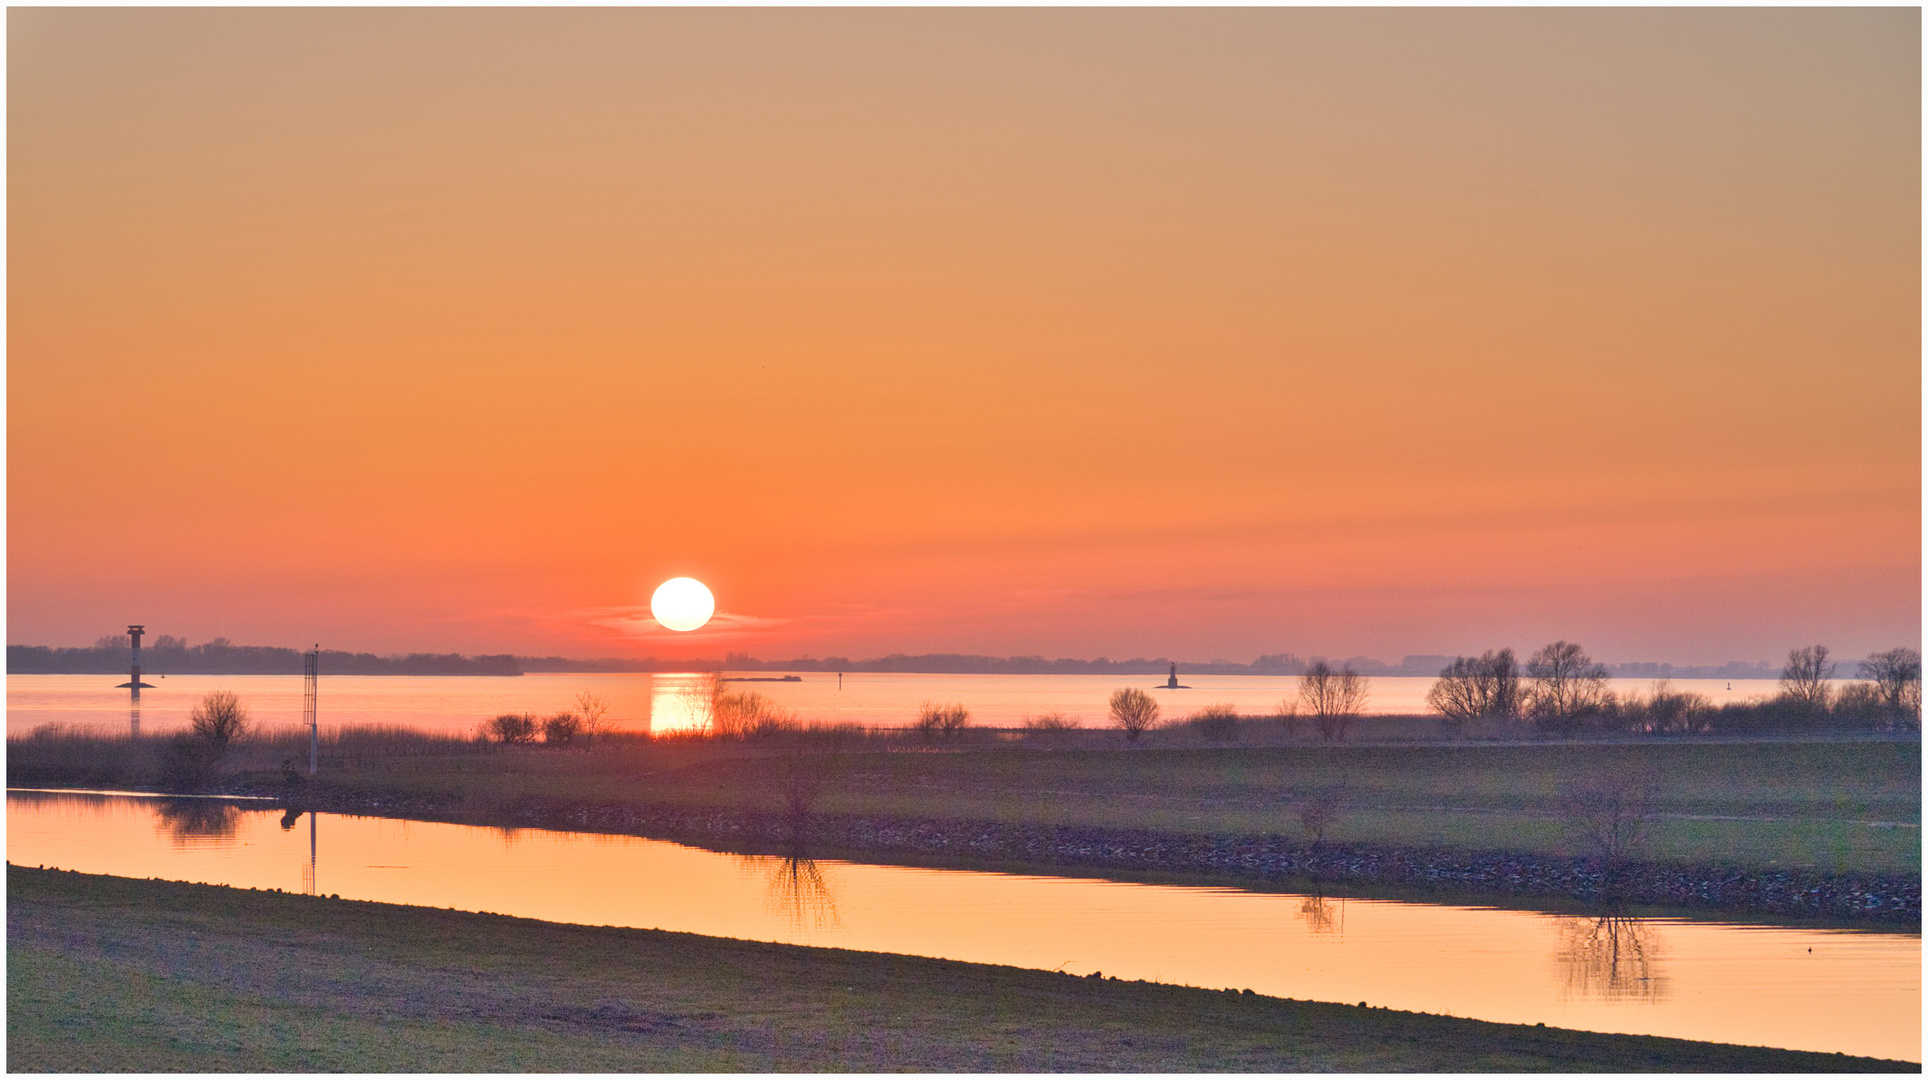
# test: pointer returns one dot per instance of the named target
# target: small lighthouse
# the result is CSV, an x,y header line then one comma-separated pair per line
x,y
134,682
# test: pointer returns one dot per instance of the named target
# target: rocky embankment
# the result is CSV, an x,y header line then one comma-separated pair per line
x,y
1876,898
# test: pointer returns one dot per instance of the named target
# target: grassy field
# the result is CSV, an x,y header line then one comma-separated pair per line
x,y
1840,806
1833,806
113,974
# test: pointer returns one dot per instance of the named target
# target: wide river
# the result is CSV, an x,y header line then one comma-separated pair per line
x,y
666,702
1827,990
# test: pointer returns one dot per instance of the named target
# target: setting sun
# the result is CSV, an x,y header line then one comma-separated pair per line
x,y
682,603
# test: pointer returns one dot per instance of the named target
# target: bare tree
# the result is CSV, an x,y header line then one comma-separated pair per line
x,y
1317,812
812,763
192,759
1133,710
1565,686
1805,678
1896,675
593,709
1334,698
1477,688
219,719
1609,813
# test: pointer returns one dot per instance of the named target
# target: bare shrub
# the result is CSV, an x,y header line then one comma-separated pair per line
x,y
191,760
941,721
1288,717
1334,698
1317,812
1134,711
1217,722
1609,813
561,729
812,762
1896,675
746,714
1565,688
1477,688
1804,678
1667,711
1859,705
1052,727
594,710
219,720
512,729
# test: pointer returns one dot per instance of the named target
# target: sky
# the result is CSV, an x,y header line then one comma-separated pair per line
x,y
1189,333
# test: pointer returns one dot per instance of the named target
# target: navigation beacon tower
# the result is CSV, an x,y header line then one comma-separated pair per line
x,y
134,682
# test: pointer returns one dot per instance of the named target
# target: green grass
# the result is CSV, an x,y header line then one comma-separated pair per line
x,y
1837,806
1834,806
113,974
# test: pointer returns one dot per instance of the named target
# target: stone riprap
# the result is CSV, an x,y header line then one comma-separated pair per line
x,y
1889,899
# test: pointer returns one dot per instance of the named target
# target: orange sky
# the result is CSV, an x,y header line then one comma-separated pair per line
x,y
1074,332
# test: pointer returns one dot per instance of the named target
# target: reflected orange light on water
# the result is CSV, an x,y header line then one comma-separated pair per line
x,y
679,703
1804,989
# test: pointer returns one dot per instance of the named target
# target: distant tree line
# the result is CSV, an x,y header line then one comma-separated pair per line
x,y
969,664
1560,691
168,655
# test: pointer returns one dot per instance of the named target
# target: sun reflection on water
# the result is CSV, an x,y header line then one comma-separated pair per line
x,y
679,703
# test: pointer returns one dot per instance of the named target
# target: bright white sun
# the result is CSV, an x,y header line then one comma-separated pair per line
x,y
682,603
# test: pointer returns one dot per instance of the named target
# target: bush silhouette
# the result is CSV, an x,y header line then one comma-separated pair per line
x,y
512,729
1133,710
561,729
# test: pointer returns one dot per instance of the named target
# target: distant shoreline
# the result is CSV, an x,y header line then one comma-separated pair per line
x,y
221,658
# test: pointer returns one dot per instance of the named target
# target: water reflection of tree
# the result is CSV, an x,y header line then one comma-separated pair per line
x,y
1321,915
190,820
797,890
1612,957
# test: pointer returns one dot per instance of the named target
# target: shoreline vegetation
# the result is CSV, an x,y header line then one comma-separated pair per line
x,y
117,975
167,655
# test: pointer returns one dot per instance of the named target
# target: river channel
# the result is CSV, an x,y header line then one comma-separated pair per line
x,y
1807,989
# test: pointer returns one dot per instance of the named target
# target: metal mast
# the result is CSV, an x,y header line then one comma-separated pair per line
x,y
310,690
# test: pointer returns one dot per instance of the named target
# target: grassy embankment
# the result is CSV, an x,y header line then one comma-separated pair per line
x,y
113,974
1835,806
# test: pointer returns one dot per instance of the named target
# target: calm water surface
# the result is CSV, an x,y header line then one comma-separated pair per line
x,y
1804,989
669,702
